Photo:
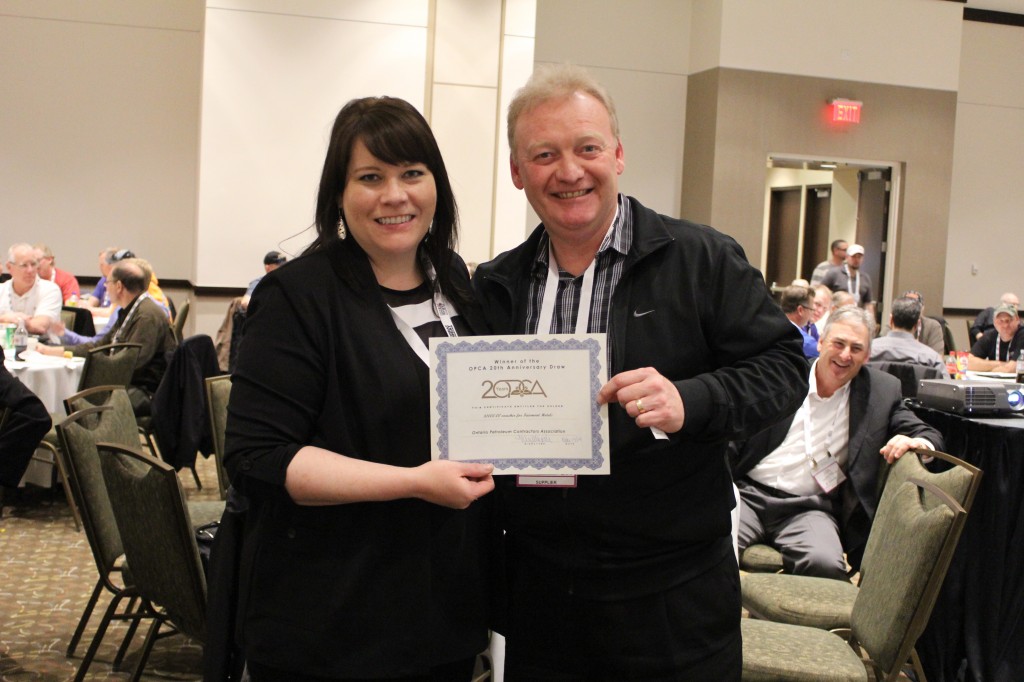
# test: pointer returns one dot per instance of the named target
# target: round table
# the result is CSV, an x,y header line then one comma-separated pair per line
x,y
52,379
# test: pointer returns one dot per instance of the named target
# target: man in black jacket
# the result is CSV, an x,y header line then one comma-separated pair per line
x,y
631,575
809,484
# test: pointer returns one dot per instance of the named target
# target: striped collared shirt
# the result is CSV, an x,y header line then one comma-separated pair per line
x,y
611,257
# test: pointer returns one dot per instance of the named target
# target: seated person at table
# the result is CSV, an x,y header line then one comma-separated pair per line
x,y
99,299
984,321
997,349
900,344
26,424
26,296
140,320
929,331
809,484
797,303
69,289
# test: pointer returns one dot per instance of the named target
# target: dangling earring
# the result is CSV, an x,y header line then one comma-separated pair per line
x,y
341,227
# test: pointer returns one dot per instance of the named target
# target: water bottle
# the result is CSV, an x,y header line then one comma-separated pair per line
x,y
1020,367
20,339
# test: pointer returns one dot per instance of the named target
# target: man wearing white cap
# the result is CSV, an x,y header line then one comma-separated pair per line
x,y
848,277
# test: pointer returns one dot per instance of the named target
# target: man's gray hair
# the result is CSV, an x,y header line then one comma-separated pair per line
x,y
851,315
551,81
906,313
20,246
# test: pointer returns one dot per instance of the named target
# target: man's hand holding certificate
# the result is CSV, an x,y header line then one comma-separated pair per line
x,y
526,404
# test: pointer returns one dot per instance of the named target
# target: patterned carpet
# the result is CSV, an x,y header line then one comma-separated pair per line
x,y
46,576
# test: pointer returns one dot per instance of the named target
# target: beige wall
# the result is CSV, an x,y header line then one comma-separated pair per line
x,y
100,125
99,128
790,114
986,220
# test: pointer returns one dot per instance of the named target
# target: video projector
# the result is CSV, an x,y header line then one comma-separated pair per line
x,y
973,398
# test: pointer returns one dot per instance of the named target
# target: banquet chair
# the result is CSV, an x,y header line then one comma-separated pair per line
x,y
112,420
111,364
159,543
823,604
910,374
218,391
78,320
179,320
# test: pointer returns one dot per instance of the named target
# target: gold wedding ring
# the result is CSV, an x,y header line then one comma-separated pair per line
x,y
640,405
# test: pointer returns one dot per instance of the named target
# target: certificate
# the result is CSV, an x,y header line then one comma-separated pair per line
x,y
526,404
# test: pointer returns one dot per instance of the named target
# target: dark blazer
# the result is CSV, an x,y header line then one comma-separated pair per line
x,y
877,413
27,423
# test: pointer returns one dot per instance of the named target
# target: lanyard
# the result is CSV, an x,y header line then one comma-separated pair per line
x,y
547,307
853,288
128,316
808,448
442,306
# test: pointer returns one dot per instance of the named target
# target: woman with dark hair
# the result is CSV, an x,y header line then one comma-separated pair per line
x,y
362,557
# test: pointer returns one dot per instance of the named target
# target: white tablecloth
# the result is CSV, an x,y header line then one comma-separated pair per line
x,y
50,378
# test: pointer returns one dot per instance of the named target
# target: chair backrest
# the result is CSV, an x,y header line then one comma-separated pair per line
x,y
909,374
912,541
960,481
179,320
218,391
110,365
78,320
113,420
948,342
157,535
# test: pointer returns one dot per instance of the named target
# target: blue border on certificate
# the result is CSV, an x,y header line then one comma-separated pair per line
x,y
444,348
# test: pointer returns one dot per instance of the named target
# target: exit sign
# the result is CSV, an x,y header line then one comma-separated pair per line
x,y
845,110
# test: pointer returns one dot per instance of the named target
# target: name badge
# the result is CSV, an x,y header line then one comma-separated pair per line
x,y
827,473
546,481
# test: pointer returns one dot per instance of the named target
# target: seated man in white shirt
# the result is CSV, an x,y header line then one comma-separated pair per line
x,y
27,296
900,344
809,484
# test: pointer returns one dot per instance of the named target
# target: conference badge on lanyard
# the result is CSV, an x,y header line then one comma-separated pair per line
x,y
827,473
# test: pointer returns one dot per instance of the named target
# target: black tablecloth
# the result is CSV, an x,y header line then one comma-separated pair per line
x,y
979,616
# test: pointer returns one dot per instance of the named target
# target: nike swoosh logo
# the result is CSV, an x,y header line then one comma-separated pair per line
x,y
637,313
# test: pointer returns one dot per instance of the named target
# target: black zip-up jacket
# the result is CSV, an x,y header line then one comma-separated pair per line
x,y
663,515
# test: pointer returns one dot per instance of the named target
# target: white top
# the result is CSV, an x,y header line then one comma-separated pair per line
x,y
44,298
820,426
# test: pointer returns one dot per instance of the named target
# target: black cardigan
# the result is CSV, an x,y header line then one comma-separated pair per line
x,y
357,590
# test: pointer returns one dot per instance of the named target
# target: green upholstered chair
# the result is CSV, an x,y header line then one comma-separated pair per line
x,y
112,364
827,604
178,326
912,541
218,391
760,558
159,543
111,421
